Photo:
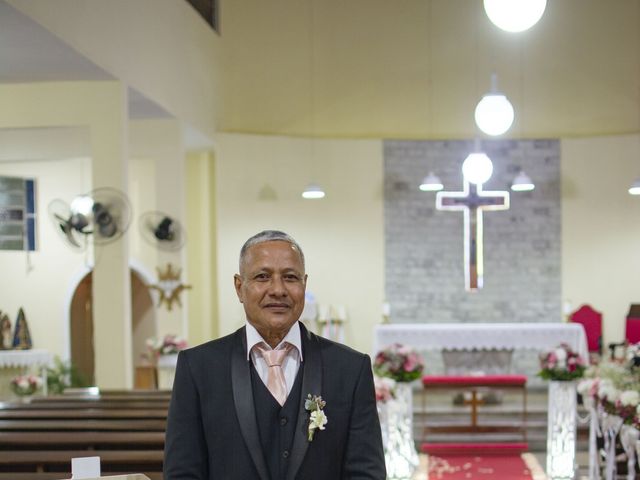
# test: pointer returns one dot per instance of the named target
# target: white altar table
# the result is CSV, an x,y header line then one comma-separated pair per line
x,y
15,362
482,336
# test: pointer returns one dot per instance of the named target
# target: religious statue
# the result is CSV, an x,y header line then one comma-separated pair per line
x,y
21,335
6,340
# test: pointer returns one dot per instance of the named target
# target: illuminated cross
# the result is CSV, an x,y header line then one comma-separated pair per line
x,y
472,201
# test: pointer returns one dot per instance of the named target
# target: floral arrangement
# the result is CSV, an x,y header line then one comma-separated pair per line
x,y
616,388
561,363
385,388
317,418
398,362
23,385
170,344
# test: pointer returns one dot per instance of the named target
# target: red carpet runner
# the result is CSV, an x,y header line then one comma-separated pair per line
x,y
489,467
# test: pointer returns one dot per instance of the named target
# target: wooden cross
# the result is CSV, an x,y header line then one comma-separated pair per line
x,y
472,201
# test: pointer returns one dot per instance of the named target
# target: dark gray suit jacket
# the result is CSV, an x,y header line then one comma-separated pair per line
x,y
212,432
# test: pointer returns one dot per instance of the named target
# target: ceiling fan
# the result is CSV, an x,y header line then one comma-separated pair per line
x,y
162,231
103,214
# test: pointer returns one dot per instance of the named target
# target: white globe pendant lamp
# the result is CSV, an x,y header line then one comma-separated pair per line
x,y
477,168
494,113
514,15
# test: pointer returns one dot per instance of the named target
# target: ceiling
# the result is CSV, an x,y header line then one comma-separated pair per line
x,y
417,68
30,53
381,69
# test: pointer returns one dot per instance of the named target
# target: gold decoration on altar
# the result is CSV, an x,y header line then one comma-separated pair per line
x,y
169,286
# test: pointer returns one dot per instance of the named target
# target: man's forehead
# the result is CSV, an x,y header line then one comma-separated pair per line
x,y
260,254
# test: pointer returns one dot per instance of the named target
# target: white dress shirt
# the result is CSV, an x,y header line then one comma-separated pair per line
x,y
291,362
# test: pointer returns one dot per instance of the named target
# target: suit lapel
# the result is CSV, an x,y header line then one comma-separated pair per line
x,y
311,384
243,400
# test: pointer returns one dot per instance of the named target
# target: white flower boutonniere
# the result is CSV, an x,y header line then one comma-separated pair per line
x,y
317,419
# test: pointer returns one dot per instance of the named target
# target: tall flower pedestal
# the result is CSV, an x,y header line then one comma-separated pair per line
x,y
396,419
561,432
166,370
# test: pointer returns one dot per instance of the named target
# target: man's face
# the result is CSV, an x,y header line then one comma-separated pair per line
x,y
271,286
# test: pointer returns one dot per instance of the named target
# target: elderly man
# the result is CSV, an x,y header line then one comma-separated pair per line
x,y
273,401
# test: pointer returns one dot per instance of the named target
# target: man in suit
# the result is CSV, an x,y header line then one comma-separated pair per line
x,y
224,421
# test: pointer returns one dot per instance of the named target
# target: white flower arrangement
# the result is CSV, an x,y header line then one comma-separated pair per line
x,y
317,419
607,391
630,398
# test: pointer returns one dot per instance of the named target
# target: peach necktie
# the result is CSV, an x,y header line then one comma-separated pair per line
x,y
275,377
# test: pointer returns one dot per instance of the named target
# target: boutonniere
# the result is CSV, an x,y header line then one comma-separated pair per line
x,y
317,419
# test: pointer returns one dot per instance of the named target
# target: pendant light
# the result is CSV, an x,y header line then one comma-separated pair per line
x,y
522,183
634,189
431,183
514,15
477,168
494,113
313,191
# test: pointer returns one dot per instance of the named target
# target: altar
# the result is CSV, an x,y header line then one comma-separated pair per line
x,y
18,362
500,338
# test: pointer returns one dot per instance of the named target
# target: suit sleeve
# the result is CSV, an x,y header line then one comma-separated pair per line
x,y
364,456
185,452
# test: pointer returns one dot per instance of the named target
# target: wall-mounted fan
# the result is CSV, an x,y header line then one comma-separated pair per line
x,y
103,214
162,231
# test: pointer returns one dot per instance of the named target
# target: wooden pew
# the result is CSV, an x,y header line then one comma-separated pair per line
x,y
81,424
39,438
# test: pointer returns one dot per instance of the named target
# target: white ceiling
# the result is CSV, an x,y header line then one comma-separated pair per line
x,y
30,53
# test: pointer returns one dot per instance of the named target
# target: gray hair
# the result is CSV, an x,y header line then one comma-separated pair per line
x,y
270,236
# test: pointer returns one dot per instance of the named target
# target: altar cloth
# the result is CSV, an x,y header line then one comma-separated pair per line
x,y
25,358
482,336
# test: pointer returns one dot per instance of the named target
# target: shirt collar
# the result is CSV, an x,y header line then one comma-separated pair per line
x,y
293,337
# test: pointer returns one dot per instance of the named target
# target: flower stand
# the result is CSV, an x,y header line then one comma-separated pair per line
x,y
396,418
629,437
166,370
610,426
561,432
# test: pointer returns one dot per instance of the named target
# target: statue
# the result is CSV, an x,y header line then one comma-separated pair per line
x,y
6,340
21,335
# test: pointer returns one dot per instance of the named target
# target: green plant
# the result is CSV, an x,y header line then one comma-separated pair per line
x,y
63,375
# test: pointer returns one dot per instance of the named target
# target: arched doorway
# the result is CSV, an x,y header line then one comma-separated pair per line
x,y
143,324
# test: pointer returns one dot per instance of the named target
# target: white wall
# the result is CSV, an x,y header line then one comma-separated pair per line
x,y
43,281
601,227
341,235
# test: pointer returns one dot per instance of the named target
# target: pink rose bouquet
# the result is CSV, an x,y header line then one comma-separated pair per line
x,y
398,362
561,363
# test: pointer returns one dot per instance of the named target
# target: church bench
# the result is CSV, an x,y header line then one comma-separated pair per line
x,y
89,440
75,424
62,475
52,460
475,385
134,396
86,413
103,404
